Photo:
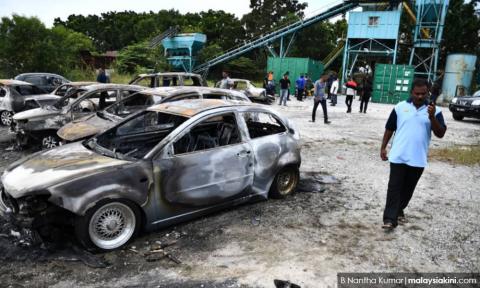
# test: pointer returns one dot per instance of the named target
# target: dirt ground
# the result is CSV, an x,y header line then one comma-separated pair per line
x,y
331,225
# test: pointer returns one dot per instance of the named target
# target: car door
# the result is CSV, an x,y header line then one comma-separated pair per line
x,y
207,164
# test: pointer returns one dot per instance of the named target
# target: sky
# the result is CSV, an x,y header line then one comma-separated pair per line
x,y
48,10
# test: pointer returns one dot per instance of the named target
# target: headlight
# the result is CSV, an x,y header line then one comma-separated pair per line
x,y
476,103
454,100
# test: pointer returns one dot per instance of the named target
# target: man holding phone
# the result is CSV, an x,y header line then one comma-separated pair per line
x,y
412,121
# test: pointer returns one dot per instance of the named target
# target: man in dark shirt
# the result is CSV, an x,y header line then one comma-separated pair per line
x,y
284,87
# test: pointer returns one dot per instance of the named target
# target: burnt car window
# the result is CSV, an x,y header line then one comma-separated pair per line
x,y
37,80
145,82
261,124
240,85
213,96
167,81
3,92
136,137
213,132
185,96
130,105
191,81
25,90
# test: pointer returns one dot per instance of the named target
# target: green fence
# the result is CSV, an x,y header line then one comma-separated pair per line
x,y
392,83
295,67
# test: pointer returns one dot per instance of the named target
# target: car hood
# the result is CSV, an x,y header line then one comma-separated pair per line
x,y
48,168
84,127
36,112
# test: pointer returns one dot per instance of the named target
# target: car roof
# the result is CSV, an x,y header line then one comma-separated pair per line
x,y
9,82
79,83
170,74
238,79
190,108
98,86
167,91
39,73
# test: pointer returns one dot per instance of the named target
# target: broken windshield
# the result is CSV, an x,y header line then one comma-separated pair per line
x,y
70,96
136,137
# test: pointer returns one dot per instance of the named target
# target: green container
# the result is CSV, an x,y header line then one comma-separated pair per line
x,y
295,67
392,83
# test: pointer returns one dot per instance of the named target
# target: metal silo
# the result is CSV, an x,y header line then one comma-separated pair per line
x,y
458,75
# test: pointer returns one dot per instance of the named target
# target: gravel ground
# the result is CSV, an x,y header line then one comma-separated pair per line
x,y
332,225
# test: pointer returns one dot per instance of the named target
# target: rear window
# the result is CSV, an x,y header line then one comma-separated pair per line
x,y
26,90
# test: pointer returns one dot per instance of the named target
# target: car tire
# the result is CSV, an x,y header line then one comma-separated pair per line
x,y
109,225
285,182
50,141
457,117
6,118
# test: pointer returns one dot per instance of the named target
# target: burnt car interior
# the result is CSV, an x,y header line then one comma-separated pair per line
x,y
261,124
136,137
213,132
131,105
25,90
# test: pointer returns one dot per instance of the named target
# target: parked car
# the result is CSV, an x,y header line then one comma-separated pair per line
x,y
254,93
46,81
168,79
170,163
69,87
466,106
17,96
41,124
95,123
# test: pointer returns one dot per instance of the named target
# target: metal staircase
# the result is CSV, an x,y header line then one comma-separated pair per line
x,y
170,32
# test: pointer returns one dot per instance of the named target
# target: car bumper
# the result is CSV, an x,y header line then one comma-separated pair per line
x,y
465,111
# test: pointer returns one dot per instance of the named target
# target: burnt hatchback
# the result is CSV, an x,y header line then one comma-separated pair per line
x,y
170,163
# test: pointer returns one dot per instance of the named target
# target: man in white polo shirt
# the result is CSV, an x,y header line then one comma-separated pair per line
x,y
412,121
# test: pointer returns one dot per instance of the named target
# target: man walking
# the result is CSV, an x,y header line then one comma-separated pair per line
x,y
412,121
284,87
226,82
351,90
300,85
334,91
366,94
320,98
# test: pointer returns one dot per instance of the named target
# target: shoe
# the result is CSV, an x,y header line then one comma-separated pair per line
x,y
311,121
388,226
364,112
327,122
402,220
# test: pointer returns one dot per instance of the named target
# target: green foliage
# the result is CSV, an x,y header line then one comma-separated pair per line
x,y
27,46
243,67
140,58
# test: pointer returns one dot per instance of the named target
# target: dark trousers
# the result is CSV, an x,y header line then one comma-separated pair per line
x,y
364,104
324,108
288,94
334,99
348,102
300,94
402,183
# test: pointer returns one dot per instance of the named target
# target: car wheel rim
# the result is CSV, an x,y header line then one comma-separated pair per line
x,y
6,118
112,226
50,142
286,182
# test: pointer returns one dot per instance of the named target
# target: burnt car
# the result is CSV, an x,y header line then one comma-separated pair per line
x,y
69,87
45,81
102,120
169,163
466,106
40,125
254,93
17,96
168,79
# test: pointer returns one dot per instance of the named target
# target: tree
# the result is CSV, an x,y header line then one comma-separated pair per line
x,y
140,57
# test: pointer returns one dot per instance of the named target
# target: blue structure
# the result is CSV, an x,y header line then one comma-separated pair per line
x,y
280,34
181,50
458,75
430,20
372,37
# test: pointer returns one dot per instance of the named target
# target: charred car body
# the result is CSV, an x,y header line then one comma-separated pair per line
x,y
466,106
41,124
102,120
169,163
254,93
17,96
69,87
169,79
